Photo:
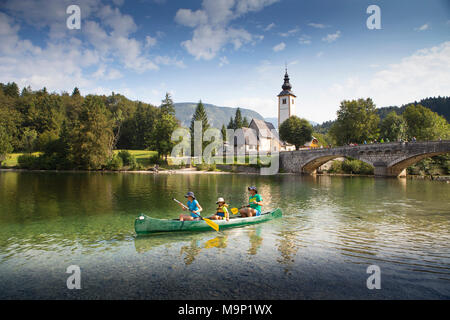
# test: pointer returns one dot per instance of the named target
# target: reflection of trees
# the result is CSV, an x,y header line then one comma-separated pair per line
x,y
191,252
255,241
288,246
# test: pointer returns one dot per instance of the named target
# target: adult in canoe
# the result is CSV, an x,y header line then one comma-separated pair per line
x,y
254,204
193,206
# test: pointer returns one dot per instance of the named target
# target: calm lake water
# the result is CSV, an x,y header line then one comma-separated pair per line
x,y
333,228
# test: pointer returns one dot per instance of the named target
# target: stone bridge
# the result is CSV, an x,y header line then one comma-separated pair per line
x,y
389,159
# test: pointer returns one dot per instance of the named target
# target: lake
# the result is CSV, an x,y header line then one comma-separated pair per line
x,y
332,230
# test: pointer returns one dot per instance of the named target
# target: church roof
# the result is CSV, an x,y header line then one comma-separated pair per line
x,y
287,87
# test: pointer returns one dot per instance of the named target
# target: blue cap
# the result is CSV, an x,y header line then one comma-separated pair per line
x,y
253,188
190,194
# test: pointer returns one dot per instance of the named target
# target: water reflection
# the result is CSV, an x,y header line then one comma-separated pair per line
x,y
331,226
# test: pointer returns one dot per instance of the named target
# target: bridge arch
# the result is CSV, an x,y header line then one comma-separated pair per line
x,y
312,165
397,167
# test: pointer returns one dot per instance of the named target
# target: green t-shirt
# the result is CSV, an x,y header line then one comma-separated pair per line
x,y
256,197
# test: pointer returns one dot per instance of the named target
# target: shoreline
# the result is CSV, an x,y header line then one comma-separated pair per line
x,y
193,171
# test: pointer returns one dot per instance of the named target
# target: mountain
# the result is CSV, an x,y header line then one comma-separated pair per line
x,y
218,115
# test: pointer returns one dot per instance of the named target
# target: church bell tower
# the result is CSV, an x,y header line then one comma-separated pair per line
x,y
286,101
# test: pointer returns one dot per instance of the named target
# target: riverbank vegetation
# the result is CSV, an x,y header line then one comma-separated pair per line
x,y
51,131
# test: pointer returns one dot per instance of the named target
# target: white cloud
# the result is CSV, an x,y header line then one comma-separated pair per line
x,y
290,32
68,60
269,27
424,27
317,25
223,61
319,54
304,39
279,47
426,73
211,25
150,41
332,37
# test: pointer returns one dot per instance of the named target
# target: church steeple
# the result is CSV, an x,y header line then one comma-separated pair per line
x,y
286,100
286,85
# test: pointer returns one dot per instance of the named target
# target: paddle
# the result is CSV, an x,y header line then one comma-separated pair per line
x,y
236,210
210,223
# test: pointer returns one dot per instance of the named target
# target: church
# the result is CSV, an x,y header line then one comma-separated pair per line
x,y
267,139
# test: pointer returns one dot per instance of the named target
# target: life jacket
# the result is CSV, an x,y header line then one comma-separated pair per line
x,y
220,209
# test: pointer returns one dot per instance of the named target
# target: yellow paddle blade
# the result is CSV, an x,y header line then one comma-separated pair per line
x,y
213,225
234,210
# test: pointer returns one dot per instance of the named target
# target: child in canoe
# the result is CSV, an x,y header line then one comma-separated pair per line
x,y
194,207
255,202
221,211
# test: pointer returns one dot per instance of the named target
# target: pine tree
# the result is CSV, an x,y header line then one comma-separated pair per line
x,y
224,133
238,123
245,123
199,115
167,105
76,92
231,124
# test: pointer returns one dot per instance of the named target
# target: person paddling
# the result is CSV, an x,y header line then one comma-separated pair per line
x,y
194,207
255,204
221,211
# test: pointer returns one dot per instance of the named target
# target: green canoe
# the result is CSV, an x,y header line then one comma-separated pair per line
x,y
144,224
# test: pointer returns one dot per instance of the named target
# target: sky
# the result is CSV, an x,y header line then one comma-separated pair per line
x,y
231,52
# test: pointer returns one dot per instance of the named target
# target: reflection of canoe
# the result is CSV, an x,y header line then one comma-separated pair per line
x,y
144,224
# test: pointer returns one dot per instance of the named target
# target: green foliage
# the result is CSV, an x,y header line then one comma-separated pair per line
x,y
357,121
393,127
114,164
425,124
351,166
238,121
245,123
91,135
167,105
161,142
156,159
5,144
296,131
199,115
28,161
128,159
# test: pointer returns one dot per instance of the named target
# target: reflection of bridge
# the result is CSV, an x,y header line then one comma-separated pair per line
x,y
389,159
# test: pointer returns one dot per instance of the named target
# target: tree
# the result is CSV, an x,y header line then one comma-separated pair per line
x,y
296,131
76,92
231,124
224,133
10,89
91,134
238,122
357,121
167,105
5,144
162,133
425,124
393,127
245,123
199,115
